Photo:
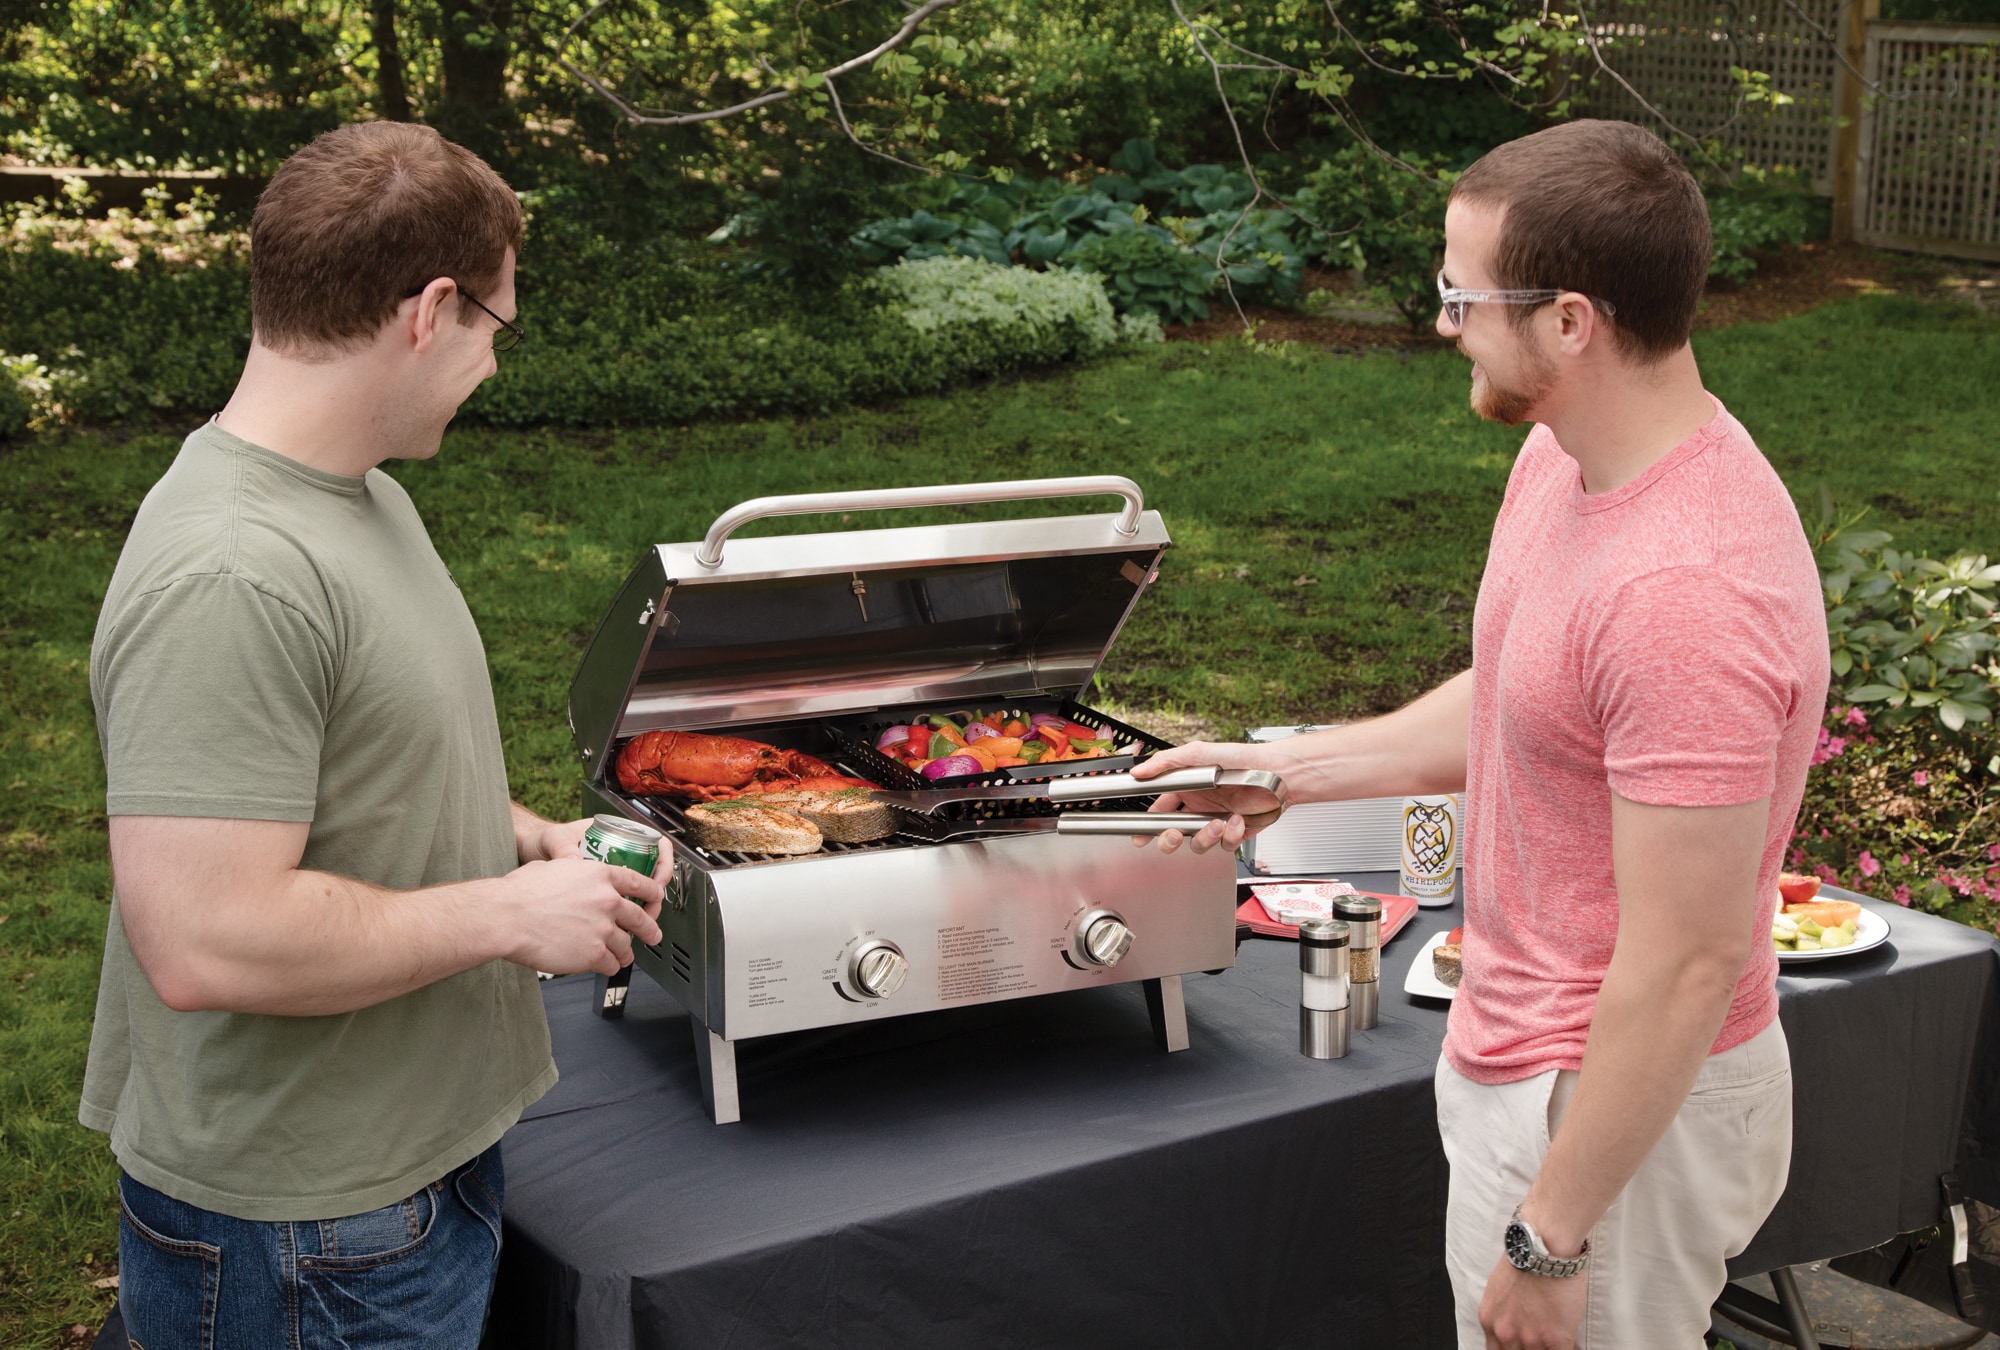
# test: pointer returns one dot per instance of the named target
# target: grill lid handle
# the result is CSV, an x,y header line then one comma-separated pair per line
x,y
944,494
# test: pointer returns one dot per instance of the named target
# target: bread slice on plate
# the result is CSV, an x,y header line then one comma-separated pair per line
x,y
846,817
740,827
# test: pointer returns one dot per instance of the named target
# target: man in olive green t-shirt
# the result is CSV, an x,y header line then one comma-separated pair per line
x,y
318,1011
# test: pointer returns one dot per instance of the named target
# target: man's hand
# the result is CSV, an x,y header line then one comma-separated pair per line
x,y
1530,1312
1243,804
538,840
574,914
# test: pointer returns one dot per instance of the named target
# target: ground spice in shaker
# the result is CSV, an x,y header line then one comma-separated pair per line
x,y
1363,916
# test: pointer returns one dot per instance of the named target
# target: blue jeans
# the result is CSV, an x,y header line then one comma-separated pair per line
x,y
417,1273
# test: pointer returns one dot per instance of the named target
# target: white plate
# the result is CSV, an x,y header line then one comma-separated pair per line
x,y
1870,930
1422,979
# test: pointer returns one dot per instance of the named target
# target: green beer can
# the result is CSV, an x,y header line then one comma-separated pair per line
x,y
623,843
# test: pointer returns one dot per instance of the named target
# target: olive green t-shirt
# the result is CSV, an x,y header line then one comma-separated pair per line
x,y
281,643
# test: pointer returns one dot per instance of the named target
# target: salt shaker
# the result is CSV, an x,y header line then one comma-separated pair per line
x,y
1323,1032
1363,915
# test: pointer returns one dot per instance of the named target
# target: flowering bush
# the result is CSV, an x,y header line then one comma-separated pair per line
x,y
1909,813
1903,800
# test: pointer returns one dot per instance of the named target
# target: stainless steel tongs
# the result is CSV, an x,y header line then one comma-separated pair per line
x,y
1089,823
1094,788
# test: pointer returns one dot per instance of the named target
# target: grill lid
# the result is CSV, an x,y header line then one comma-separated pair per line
x,y
703,635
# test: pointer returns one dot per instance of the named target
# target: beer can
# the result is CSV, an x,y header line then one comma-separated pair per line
x,y
623,843
1430,849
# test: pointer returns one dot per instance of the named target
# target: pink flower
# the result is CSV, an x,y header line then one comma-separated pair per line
x,y
1826,874
1920,778
1903,895
1903,858
1829,746
1869,867
1993,852
1855,718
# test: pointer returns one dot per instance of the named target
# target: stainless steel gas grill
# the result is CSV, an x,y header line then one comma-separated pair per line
x,y
814,643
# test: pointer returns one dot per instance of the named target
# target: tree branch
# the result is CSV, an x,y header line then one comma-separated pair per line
x,y
637,116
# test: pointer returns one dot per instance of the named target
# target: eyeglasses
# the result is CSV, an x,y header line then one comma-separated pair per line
x,y
509,334
1455,300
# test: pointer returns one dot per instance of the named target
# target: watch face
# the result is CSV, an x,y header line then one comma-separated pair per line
x,y
1520,1249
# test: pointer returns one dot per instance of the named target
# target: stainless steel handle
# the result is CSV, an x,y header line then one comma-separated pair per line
x,y
1096,787
944,494
1133,822
1200,779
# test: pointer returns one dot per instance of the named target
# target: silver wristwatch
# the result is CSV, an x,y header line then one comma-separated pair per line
x,y
1525,1251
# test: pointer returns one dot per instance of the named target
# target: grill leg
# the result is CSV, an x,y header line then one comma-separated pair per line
x,y
717,1060
609,1000
1168,1011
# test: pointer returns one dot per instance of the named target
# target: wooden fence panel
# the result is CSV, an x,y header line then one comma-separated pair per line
x,y
1678,55
1929,169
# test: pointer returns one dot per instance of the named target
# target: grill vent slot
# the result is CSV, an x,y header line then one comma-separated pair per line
x,y
683,963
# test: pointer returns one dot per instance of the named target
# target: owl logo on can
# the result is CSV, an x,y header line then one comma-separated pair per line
x,y
1430,846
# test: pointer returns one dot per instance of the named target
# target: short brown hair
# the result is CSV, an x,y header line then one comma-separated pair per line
x,y
361,217
1606,209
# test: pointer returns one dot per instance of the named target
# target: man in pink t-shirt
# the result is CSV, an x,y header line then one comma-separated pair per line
x,y
1649,673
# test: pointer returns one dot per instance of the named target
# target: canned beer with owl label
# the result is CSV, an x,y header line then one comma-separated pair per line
x,y
1430,849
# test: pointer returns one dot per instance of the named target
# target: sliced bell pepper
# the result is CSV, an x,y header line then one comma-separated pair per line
x,y
1055,740
1015,727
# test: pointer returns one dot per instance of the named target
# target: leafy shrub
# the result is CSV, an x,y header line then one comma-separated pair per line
x,y
1145,274
651,328
1912,637
1153,233
1756,215
17,400
1903,800
915,328
1382,220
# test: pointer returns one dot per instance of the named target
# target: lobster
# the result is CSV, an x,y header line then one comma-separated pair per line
x,y
693,767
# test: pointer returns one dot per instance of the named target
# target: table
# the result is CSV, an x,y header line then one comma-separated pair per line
x,y
1037,1174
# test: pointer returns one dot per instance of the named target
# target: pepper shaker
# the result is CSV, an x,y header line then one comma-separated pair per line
x,y
1363,915
1323,1027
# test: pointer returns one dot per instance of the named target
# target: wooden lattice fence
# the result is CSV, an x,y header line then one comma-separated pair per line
x,y
1929,166
1680,57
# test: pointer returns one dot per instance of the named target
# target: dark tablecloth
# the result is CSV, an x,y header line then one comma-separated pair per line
x,y
1036,1174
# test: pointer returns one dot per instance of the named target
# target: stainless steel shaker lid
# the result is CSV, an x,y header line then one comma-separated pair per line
x,y
1323,933
1358,908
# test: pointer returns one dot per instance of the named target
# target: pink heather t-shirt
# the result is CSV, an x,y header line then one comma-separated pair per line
x,y
1665,641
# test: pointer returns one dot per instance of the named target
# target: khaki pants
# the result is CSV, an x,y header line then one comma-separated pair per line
x,y
1657,1255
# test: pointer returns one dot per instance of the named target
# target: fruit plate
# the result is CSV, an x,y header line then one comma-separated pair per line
x,y
1422,980
1870,930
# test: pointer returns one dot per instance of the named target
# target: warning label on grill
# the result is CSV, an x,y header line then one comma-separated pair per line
x,y
974,963
766,983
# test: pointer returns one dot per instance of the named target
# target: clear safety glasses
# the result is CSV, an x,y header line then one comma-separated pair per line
x,y
1454,299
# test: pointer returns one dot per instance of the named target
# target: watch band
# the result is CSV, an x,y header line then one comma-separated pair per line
x,y
1527,1252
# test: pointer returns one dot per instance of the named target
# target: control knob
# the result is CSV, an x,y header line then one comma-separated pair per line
x,y
878,969
1102,938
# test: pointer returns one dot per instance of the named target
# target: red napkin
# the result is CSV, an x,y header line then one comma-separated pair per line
x,y
1397,910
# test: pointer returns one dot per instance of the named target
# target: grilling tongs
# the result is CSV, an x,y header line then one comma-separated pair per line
x,y
1094,787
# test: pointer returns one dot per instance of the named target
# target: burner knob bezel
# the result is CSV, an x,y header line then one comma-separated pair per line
x,y
1103,938
877,969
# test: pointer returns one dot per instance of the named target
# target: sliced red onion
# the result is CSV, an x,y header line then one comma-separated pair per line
x,y
1048,720
952,766
979,731
893,736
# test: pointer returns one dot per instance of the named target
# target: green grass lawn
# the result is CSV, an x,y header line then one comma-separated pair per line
x,y
1330,517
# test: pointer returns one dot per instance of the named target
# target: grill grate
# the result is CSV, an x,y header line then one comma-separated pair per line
x,y
849,745
670,817
856,738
